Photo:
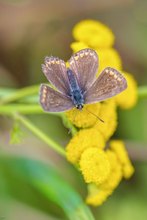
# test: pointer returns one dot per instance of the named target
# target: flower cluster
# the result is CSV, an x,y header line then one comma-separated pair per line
x,y
102,162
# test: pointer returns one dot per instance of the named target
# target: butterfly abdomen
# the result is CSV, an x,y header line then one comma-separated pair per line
x,y
75,91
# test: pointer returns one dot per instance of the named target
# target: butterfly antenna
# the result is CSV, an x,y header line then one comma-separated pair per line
x,y
94,115
75,114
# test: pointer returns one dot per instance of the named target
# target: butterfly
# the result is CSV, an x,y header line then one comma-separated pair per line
x,y
78,85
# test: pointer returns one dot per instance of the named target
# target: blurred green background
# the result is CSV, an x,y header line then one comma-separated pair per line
x,y
30,30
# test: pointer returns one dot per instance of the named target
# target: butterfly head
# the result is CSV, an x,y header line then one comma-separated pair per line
x,y
79,106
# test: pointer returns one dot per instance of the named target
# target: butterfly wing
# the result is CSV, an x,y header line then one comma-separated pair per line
x,y
108,84
55,71
53,101
84,65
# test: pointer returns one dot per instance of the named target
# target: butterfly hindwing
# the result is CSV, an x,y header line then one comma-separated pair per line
x,y
54,101
84,65
109,83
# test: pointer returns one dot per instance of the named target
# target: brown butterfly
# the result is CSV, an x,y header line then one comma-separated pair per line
x,y
78,85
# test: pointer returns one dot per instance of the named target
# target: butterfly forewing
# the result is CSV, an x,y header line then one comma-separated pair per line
x,y
84,65
108,84
55,71
53,101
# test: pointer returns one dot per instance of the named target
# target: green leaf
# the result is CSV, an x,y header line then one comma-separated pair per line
x,y
24,176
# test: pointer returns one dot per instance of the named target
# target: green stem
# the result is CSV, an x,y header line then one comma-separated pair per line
x,y
52,144
68,125
142,92
18,94
23,109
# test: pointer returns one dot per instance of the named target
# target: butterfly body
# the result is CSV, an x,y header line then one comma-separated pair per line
x,y
78,84
76,93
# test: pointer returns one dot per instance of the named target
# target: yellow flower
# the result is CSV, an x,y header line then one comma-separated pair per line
x,y
84,139
119,148
115,175
94,34
102,169
94,165
96,196
109,115
98,193
84,118
128,98
76,46
108,57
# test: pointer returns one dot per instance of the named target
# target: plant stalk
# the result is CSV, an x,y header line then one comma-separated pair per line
x,y
28,124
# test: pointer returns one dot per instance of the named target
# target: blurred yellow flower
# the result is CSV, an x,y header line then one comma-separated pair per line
x,y
93,33
128,98
76,46
84,139
84,118
108,57
94,165
119,148
96,197
98,193
115,175
108,114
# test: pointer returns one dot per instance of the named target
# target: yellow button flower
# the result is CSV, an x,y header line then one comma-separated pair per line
x,y
115,175
102,169
96,196
94,34
84,139
98,193
128,98
107,113
76,46
119,148
84,118
108,57
94,165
